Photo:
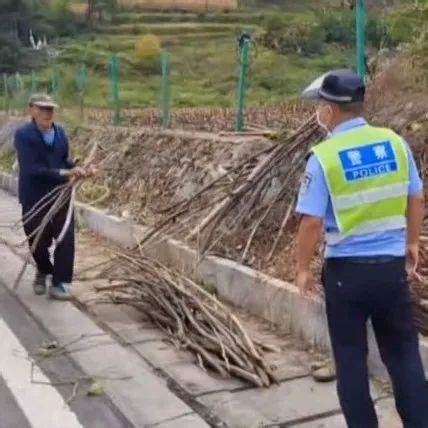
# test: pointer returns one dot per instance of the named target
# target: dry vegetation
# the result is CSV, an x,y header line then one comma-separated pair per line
x,y
209,118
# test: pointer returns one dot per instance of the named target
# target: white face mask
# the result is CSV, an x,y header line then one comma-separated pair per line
x,y
323,125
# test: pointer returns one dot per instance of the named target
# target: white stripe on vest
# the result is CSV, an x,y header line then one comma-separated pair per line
x,y
389,223
370,196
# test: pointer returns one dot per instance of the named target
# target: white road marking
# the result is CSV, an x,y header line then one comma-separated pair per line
x,y
43,406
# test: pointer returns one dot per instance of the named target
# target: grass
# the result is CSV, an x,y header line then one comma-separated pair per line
x,y
202,73
7,159
144,17
162,29
203,63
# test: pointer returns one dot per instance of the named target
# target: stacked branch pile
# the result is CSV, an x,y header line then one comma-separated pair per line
x,y
247,206
192,318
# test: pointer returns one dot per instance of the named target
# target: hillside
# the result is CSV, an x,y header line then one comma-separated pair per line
x,y
292,45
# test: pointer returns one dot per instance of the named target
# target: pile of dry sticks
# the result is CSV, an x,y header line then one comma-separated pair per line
x,y
192,318
245,201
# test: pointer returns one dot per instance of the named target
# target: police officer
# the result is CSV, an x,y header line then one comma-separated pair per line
x,y
362,186
43,159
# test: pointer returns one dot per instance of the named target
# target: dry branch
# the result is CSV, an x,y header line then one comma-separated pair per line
x,y
190,316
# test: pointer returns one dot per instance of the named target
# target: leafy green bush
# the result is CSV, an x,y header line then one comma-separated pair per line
x,y
378,34
147,52
275,23
300,36
7,159
338,28
405,22
10,53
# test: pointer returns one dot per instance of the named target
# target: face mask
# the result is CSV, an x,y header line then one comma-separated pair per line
x,y
322,124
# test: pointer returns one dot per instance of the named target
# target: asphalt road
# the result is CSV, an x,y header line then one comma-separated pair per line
x,y
36,393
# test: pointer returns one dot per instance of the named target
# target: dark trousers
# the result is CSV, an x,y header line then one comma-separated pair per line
x,y
62,268
355,293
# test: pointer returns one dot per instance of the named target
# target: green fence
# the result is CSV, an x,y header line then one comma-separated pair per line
x,y
16,89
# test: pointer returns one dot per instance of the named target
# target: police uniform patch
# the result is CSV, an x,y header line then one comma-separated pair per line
x,y
368,161
305,181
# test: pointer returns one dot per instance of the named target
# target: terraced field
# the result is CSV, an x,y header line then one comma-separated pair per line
x,y
166,28
171,17
203,61
180,4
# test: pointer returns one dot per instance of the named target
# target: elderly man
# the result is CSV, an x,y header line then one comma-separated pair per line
x,y
43,159
362,186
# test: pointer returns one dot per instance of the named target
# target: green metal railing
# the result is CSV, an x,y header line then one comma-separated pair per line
x,y
244,65
13,91
361,17
54,83
114,77
165,89
33,82
82,83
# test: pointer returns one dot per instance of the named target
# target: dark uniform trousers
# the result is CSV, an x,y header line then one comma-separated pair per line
x,y
357,291
62,268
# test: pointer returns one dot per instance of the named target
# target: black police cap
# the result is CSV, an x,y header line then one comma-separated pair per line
x,y
337,86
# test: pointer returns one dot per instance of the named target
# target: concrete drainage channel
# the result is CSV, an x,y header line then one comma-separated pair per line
x,y
271,299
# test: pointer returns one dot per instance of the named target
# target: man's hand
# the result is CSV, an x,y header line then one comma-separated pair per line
x,y
412,260
305,282
77,172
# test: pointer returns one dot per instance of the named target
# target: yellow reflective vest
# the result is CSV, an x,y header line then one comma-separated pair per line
x,y
367,173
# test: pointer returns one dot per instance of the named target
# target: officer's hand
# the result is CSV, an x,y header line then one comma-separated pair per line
x,y
412,260
305,282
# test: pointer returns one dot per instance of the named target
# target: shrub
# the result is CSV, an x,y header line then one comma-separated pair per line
x,y
274,22
378,34
302,37
338,28
10,53
147,52
405,22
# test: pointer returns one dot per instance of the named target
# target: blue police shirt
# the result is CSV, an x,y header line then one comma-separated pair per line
x,y
314,200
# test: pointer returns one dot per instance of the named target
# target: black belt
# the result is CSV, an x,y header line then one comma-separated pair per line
x,y
368,260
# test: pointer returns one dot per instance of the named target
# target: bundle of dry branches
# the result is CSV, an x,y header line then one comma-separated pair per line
x,y
244,201
191,317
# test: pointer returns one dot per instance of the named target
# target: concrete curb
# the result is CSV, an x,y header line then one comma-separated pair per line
x,y
276,301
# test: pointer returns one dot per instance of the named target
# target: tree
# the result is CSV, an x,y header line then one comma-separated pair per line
x,y
95,9
43,18
90,11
